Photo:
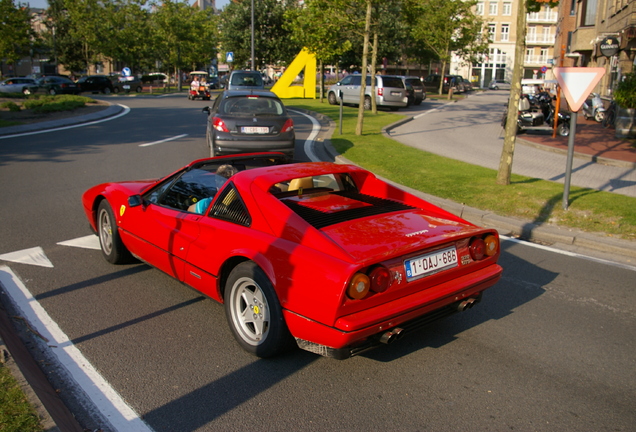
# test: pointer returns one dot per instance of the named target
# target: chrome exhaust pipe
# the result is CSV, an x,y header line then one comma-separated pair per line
x,y
391,336
466,304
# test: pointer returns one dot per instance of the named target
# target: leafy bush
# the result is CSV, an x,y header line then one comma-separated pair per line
x,y
46,104
625,93
12,106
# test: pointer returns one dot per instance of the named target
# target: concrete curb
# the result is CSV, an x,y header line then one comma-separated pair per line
x,y
110,111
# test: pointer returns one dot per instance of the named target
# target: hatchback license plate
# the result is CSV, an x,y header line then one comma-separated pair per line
x,y
254,129
394,93
431,263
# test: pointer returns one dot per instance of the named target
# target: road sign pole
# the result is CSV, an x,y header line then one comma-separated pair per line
x,y
568,165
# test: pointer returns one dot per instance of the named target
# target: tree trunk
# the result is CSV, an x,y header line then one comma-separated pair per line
x,y
374,58
363,84
507,153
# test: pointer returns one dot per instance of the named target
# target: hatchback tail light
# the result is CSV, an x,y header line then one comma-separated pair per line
x,y
219,125
288,126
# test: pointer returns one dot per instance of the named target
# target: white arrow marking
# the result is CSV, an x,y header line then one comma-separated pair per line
x,y
86,242
32,256
163,141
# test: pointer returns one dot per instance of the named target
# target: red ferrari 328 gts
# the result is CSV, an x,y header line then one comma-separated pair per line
x,y
322,254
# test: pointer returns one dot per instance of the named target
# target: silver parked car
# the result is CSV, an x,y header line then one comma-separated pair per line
x,y
389,91
244,121
15,85
499,85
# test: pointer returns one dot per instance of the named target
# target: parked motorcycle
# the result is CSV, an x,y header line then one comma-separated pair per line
x,y
536,113
593,107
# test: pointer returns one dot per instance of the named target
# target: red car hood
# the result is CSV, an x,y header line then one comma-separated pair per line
x,y
394,234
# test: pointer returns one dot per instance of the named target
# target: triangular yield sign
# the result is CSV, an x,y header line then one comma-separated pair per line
x,y
577,83
32,256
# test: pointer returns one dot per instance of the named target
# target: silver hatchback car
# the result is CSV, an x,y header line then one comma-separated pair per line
x,y
389,91
499,85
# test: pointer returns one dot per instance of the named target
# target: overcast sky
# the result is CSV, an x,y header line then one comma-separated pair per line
x,y
43,4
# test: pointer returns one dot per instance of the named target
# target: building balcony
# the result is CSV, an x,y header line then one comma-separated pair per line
x,y
540,39
542,17
532,60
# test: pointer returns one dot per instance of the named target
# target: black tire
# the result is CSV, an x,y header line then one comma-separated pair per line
x,y
106,90
208,139
112,247
139,89
253,312
367,103
563,130
495,88
115,90
331,97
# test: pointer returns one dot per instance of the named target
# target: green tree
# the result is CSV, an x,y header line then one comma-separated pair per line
x,y
318,27
16,35
444,26
128,34
272,38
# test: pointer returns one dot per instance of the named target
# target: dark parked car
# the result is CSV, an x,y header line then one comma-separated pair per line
x,y
15,85
95,84
127,84
431,83
242,121
417,93
53,85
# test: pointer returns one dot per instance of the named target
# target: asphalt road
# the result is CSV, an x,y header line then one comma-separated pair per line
x,y
550,348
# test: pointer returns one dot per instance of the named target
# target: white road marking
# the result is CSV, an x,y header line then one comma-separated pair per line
x,y
86,242
32,256
567,253
163,141
309,142
109,403
126,111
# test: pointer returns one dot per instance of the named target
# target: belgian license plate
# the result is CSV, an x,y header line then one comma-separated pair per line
x,y
394,93
254,129
431,263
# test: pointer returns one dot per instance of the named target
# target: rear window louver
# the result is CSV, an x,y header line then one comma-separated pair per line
x,y
319,219
229,207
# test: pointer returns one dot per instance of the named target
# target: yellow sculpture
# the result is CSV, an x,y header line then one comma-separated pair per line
x,y
284,87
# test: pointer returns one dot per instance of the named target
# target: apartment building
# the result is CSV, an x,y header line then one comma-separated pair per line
x,y
500,17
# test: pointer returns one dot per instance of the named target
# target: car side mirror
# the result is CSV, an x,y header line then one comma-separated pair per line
x,y
135,200
206,110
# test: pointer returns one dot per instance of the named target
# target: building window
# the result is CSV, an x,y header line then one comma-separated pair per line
x,y
507,9
505,32
492,31
479,9
589,13
492,8
573,8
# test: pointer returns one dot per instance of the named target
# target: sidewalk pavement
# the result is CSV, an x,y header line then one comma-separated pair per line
x,y
592,142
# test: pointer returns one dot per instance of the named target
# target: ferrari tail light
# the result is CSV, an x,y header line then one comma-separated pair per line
x,y
492,245
480,248
288,126
219,125
380,279
477,248
359,286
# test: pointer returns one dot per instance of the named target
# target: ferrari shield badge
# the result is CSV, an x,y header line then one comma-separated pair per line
x,y
122,210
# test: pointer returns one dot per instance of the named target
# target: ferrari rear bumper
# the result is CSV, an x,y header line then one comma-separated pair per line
x,y
336,343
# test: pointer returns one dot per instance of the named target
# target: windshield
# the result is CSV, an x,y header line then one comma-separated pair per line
x,y
251,105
